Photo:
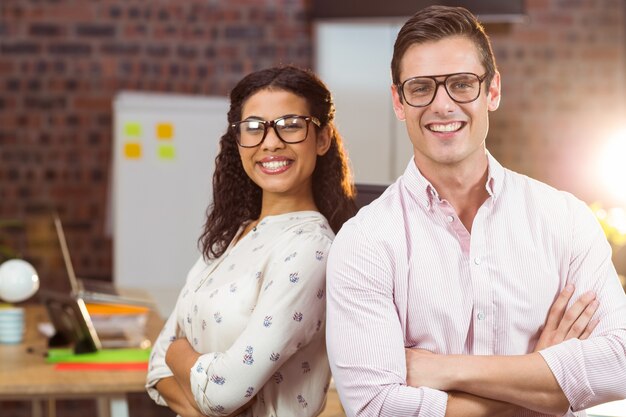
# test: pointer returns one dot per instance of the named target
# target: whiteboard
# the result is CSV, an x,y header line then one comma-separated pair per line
x,y
163,161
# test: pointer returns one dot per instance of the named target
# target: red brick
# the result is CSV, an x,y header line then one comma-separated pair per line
x,y
7,67
92,104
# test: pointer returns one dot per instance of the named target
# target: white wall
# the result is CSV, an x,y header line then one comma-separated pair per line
x,y
354,59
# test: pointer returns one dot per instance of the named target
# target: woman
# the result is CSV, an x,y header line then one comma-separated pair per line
x,y
246,337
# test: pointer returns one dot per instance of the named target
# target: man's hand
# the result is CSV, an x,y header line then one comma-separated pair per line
x,y
576,322
423,369
427,369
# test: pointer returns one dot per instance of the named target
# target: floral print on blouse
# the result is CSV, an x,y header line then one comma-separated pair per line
x,y
256,314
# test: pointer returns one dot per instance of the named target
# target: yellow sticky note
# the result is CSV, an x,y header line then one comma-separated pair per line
x,y
132,150
166,152
164,131
132,130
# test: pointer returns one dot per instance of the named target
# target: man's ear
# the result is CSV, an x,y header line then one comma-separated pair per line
x,y
323,140
494,93
398,108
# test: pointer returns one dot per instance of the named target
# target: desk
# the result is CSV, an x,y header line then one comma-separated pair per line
x,y
333,405
24,374
612,409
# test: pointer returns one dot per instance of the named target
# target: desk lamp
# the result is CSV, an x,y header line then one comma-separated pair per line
x,y
18,280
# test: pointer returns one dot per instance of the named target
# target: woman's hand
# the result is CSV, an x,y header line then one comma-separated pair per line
x,y
180,357
175,398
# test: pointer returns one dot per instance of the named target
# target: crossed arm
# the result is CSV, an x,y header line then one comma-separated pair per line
x,y
500,385
176,397
176,390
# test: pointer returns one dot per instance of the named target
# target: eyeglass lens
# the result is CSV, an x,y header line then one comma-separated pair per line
x,y
292,129
462,88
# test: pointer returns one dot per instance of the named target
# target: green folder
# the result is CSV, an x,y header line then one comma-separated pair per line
x,y
101,356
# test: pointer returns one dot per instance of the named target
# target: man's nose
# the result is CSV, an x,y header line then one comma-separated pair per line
x,y
442,101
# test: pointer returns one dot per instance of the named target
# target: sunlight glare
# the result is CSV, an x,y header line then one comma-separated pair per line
x,y
613,166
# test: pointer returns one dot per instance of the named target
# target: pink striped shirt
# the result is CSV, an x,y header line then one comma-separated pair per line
x,y
404,272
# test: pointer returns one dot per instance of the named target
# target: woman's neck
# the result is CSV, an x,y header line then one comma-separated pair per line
x,y
273,205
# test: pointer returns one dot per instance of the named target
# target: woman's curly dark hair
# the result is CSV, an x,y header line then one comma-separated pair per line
x,y
237,199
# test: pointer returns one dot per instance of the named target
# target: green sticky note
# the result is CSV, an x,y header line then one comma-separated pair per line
x,y
132,130
166,151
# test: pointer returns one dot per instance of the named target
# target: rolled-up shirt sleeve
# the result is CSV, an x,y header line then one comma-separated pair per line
x,y
289,315
364,335
593,371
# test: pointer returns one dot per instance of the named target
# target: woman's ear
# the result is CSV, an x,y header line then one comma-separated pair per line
x,y
323,140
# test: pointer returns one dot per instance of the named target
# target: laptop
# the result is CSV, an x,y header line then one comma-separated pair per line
x,y
99,292
71,318
73,326
71,321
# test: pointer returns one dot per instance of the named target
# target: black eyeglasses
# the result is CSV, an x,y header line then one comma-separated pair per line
x,y
289,129
462,87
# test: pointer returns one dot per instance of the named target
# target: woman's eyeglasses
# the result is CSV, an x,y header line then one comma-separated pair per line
x,y
289,129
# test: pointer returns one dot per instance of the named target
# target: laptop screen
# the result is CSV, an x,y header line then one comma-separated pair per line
x,y
66,255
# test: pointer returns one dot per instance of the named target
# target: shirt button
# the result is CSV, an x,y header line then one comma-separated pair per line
x,y
477,260
481,316
450,219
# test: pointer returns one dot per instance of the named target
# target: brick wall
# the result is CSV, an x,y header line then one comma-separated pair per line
x,y
564,74
61,63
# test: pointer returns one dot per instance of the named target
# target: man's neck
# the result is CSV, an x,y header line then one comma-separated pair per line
x,y
463,186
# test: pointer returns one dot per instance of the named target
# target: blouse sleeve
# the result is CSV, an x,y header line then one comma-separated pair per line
x,y
289,313
157,369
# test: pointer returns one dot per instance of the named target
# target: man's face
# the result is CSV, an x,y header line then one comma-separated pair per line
x,y
446,133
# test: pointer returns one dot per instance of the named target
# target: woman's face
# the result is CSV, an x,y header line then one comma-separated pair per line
x,y
282,169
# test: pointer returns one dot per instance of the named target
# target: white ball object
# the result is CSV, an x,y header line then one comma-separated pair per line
x,y
18,280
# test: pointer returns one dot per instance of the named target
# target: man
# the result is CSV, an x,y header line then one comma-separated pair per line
x,y
438,291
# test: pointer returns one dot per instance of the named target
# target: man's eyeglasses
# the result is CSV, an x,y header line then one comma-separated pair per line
x,y
462,87
289,129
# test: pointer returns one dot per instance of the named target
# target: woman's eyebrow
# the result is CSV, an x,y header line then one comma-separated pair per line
x,y
253,117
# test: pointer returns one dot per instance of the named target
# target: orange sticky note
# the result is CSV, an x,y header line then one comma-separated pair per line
x,y
164,131
132,150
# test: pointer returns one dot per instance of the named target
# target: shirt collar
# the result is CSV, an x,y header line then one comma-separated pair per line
x,y
418,186
495,177
424,192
